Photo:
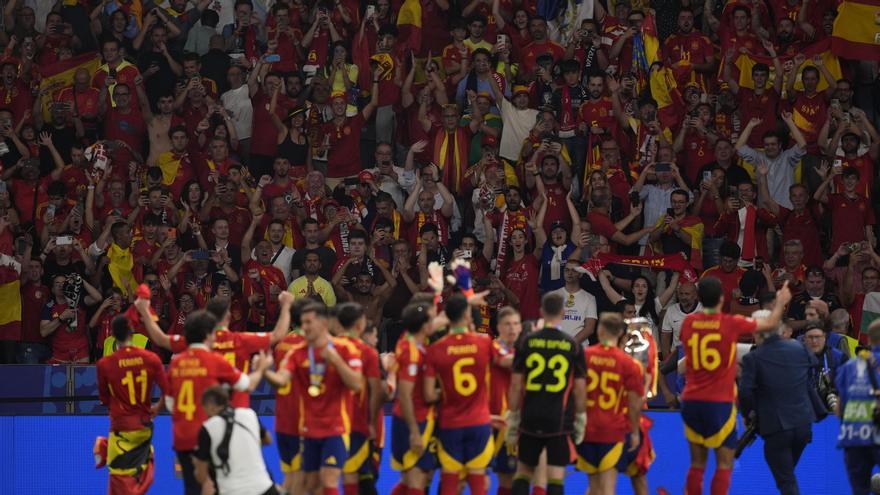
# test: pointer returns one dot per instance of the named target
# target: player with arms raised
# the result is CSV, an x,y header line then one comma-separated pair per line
x,y
125,384
460,360
612,426
547,400
329,370
709,397
190,374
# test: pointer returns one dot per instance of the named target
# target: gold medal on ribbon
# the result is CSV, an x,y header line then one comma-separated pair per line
x,y
314,390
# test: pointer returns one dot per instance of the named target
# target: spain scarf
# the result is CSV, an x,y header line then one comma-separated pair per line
x,y
746,238
693,225
676,262
510,221
450,156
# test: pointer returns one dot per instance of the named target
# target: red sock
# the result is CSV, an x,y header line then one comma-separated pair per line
x,y
503,491
350,489
415,491
721,482
694,484
330,491
539,491
449,483
399,489
477,483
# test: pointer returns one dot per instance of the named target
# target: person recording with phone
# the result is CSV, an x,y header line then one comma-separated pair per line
x,y
656,198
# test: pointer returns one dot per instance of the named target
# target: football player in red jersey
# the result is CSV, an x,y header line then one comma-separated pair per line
x,y
191,372
509,327
288,401
125,384
709,396
329,370
235,347
460,360
611,427
357,476
412,423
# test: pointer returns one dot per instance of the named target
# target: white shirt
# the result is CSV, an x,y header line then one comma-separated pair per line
x,y
517,125
673,320
281,260
238,103
247,470
579,307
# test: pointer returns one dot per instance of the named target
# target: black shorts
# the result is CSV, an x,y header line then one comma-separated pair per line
x,y
560,449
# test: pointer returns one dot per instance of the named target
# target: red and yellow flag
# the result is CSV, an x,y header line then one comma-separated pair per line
x,y
10,294
409,25
745,62
59,75
856,33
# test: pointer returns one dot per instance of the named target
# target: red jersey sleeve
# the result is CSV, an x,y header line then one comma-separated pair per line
x,y
255,342
429,366
739,324
408,361
159,373
177,343
103,390
351,355
225,372
370,360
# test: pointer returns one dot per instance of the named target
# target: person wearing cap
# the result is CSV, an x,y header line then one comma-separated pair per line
x,y
516,117
488,158
341,137
292,139
828,359
852,215
850,141
856,383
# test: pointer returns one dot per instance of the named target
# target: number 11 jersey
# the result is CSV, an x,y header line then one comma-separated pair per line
x,y
550,360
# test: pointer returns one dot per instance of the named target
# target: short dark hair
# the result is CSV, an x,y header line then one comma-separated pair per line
x,y
198,326
456,307
320,310
552,305
348,314
709,292
359,234
217,395
218,307
414,316
120,329
760,67
210,18
729,249
810,69
296,309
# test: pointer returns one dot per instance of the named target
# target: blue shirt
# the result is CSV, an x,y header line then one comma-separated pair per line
x,y
857,403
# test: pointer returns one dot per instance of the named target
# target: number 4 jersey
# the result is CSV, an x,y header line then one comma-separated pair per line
x,y
550,362
190,374
461,362
709,341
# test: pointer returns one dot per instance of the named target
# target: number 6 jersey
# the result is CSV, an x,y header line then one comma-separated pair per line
x,y
709,341
461,361
550,361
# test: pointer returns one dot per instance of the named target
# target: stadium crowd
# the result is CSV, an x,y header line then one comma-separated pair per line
x,y
614,154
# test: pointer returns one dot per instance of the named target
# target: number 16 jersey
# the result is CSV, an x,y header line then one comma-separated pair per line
x,y
709,341
550,361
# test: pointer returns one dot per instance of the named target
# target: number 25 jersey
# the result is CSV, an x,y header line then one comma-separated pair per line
x,y
709,342
550,361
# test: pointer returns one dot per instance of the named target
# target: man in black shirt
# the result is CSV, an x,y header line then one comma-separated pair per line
x,y
547,410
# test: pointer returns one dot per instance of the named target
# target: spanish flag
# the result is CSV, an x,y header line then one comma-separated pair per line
x,y
409,25
670,104
745,62
59,75
10,294
856,33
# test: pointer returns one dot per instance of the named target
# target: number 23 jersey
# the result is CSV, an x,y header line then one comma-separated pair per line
x,y
550,361
709,342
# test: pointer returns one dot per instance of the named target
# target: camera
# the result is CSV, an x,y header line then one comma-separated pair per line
x,y
827,392
216,119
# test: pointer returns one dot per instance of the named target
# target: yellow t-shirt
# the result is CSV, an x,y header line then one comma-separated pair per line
x,y
300,289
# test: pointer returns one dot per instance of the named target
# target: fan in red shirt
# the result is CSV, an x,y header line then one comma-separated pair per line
x,y
521,276
236,348
852,215
709,397
262,286
727,271
461,361
539,45
611,373
341,137
367,403
329,370
125,384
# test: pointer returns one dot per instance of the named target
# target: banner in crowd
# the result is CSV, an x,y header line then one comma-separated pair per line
x,y
409,25
59,75
870,311
10,294
856,33
745,62
675,262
